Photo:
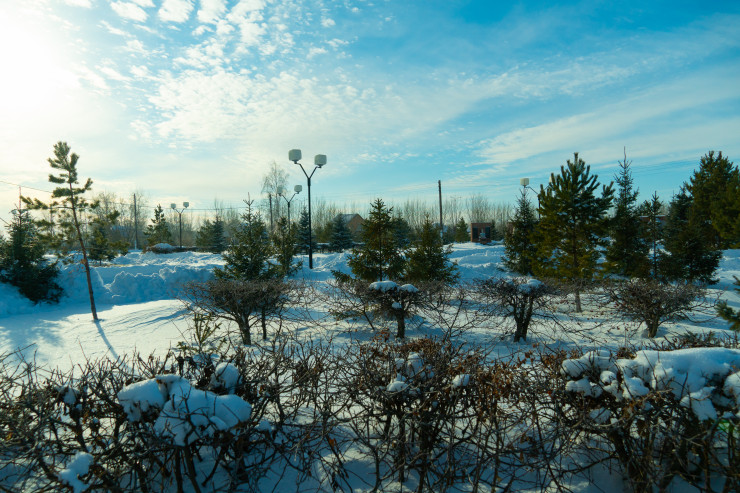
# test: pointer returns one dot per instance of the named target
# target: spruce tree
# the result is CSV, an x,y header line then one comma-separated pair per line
x,y
429,260
22,261
690,247
727,313
285,247
462,234
653,231
401,230
380,256
714,191
158,232
210,236
72,203
519,245
341,237
572,225
247,258
627,252
304,235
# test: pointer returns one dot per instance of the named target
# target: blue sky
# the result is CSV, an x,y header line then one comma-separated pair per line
x,y
193,99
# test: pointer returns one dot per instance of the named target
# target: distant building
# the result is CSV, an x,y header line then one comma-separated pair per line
x,y
480,232
354,223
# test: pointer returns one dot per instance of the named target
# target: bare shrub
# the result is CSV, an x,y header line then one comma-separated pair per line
x,y
653,302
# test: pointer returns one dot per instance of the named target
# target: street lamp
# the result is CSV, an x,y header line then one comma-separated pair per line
x,y
524,182
281,192
319,161
173,206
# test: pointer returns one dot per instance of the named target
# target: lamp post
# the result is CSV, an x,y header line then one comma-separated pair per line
x,y
319,161
524,182
281,192
173,206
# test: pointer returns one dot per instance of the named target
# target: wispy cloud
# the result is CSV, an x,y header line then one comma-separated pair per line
x,y
211,10
79,3
129,10
175,10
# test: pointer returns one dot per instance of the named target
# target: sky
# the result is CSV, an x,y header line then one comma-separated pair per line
x,y
192,100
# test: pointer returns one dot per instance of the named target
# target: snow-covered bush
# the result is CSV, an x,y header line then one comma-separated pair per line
x,y
661,414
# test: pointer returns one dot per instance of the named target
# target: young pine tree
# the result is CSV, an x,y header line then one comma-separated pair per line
x,y
285,247
304,234
341,236
572,225
461,231
380,257
247,259
690,247
101,246
158,232
401,230
73,205
519,245
627,252
210,236
429,261
22,262
650,210
714,191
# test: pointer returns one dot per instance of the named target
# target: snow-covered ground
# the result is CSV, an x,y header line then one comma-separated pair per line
x,y
136,298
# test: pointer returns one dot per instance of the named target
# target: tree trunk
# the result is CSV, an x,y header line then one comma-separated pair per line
x,y
264,324
84,256
401,333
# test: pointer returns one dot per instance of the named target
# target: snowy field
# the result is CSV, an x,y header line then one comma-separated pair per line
x,y
136,298
139,312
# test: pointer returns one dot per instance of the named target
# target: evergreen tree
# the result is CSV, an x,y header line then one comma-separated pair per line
x,y
304,234
653,231
691,252
285,246
627,252
341,237
572,224
247,258
158,232
380,257
519,246
714,192
429,261
22,261
727,313
401,231
461,231
73,205
101,246
211,236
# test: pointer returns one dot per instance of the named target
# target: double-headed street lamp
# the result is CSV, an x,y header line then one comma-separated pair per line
x,y
173,206
319,161
281,192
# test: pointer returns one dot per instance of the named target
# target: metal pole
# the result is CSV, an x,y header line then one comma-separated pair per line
x,y
310,231
136,226
441,226
180,214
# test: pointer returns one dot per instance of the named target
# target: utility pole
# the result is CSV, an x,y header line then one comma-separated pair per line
x,y
136,226
441,226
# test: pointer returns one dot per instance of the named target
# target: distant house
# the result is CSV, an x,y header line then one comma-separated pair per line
x,y
480,232
354,223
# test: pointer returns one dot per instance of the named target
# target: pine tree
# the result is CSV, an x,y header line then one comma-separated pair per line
x,y
714,191
727,313
22,262
429,261
285,246
461,231
401,231
519,246
158,232
627,252
653,231
572,224
101,246
210,236
341,237
247,258
73,204
690,246
380,257
304,234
